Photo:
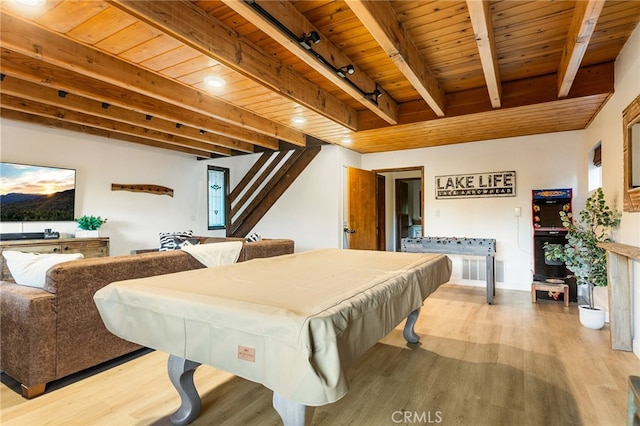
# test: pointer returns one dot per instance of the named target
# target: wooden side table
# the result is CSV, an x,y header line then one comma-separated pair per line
x,y
555,287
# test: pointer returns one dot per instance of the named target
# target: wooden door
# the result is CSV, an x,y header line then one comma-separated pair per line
x,y
361,206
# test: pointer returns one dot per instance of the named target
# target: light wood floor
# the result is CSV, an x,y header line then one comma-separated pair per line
x,y
510,363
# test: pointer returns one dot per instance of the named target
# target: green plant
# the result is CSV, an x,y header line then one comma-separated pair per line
x,y
90,223
581,254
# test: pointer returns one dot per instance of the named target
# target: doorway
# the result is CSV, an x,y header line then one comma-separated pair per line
x,y
401,206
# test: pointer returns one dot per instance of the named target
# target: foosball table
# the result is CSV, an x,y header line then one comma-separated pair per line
x,y
485,247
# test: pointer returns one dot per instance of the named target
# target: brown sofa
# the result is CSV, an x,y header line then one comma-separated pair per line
x,y
50,333
263,248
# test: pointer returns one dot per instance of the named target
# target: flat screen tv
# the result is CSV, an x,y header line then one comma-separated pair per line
x,y
36,193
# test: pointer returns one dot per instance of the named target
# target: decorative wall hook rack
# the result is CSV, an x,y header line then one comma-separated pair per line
x,y
142,187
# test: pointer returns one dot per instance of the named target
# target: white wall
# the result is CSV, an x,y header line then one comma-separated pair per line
x,y
310,211
607,127
542,161
134,219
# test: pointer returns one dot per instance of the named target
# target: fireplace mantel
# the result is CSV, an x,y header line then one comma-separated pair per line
x,y
620,307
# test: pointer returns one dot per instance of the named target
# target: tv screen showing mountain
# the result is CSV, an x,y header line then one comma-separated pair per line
x,y
36,193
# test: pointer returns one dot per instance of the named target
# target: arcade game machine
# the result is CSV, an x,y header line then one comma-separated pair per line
x,y
548,228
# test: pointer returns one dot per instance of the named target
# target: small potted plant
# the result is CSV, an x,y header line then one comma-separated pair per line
x,y
89,226
581,254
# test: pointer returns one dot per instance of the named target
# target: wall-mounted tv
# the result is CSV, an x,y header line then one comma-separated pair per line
x,y
36,193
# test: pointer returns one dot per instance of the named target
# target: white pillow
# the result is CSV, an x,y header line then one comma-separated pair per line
x,y
30,269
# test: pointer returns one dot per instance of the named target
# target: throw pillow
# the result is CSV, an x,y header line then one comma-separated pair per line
x,y
168,239
30,269
182,242
254,238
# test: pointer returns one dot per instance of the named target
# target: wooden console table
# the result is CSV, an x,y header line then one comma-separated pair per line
x,y
89,247
620,310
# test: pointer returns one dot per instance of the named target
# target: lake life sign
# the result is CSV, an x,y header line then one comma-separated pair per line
x,y
492,184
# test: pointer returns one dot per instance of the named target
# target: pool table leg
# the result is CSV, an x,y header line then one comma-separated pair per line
x,y
292,413
408,333
181,375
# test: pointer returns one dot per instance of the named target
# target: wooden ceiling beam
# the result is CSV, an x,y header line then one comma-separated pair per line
x,y
381,21
324,57
35,71
583,22
72,127
37,108
192,25
26,38
50,96
485,39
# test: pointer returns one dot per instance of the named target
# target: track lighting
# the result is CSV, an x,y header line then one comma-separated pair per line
x,y
202,132
62,93
178,125
308,39
2,76
374,96
105,105
148,117
343,71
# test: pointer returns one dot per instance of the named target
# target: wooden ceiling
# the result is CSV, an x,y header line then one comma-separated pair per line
x,y
447,71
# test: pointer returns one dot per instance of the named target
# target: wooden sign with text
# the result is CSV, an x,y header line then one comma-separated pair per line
x,y
474,185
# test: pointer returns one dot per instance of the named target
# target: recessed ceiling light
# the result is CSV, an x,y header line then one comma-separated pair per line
x,y
213,81
346,140
31,3
298,120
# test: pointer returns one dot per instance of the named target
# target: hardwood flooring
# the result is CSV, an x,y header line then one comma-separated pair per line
x,y
510,363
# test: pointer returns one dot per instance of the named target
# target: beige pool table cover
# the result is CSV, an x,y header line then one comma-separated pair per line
x,y
293,323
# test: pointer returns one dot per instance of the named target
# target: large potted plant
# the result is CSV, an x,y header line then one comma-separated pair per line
x,y
581,254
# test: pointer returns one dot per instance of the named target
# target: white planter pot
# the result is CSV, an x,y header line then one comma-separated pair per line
x,y
591,318
87,234
601,300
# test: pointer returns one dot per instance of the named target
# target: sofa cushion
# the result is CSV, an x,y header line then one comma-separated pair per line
x,y
30,269
175,240
255,237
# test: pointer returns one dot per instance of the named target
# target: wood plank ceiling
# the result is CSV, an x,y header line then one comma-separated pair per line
x,y
445,71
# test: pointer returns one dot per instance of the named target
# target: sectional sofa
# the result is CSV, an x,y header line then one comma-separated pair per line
x,y
50,333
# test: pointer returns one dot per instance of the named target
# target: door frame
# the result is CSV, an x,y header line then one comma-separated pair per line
x,y
382,236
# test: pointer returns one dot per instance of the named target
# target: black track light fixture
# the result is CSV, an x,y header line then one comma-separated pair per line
x,y
202,132
178,125
105,105
374,96
307,41
310,39
2,76
148,117
62,93
343,71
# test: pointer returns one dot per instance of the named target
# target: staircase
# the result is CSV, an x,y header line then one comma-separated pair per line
x,y
263,184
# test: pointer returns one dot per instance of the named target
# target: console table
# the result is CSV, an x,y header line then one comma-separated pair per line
x,y
89,247
450,245
619,257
